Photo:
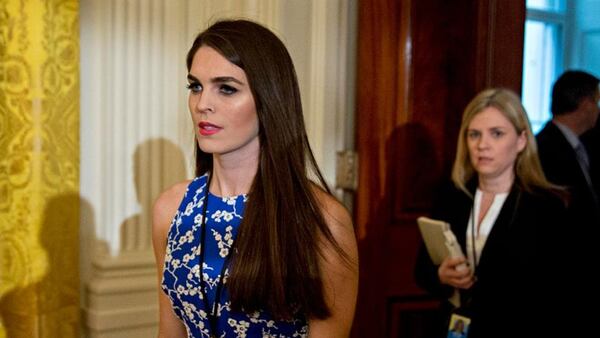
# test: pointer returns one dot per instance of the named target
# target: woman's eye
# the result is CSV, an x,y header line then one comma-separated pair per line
x,y
497,133
228,90
473,134
194,87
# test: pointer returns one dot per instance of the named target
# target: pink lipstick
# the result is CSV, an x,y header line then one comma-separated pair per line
x,y
207,129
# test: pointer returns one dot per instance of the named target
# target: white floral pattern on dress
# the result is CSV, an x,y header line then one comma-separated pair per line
x,y
182,273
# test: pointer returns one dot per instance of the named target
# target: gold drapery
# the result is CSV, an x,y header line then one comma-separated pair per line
x,y
39,168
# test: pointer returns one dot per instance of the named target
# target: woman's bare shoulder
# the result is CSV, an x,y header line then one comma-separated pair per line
x,y
167,203
335,213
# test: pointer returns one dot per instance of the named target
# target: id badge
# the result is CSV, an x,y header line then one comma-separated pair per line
x,y
459,326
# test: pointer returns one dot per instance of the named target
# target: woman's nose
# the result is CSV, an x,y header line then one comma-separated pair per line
x,y
483,142
204,105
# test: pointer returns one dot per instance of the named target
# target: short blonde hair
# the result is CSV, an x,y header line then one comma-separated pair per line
x,y
528,170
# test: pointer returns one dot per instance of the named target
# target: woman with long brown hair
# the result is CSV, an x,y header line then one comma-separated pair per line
x,y
251,246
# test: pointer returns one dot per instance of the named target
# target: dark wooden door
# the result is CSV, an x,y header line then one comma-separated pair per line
x,y
419,63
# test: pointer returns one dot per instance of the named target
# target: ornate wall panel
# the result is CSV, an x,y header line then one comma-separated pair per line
x,y
39,168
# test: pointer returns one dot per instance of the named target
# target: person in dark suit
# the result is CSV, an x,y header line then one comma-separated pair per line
x,y
565,158
569,162
507,219
591,140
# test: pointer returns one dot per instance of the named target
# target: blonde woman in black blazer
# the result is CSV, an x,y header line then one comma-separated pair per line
x,y
507,219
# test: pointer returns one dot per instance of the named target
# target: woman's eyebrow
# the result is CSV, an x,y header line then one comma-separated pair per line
x,y
192,78
218,79
222,79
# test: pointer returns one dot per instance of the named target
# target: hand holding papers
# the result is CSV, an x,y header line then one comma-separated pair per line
x,y
439,240
441,243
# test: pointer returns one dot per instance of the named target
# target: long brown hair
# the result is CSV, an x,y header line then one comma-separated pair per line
x,y
276,264
528,170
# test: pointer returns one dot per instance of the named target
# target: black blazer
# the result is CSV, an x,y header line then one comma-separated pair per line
x,y
561,167
581,234
591,139
518,260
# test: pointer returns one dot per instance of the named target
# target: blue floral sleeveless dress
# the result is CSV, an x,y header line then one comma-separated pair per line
x,y
187,284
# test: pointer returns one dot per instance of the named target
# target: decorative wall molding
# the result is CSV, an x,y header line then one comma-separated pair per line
x,y
133,92
318,74
329,104
136,139
122,296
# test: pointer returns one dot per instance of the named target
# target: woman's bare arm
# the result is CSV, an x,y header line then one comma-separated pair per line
x,y
340,277
165,207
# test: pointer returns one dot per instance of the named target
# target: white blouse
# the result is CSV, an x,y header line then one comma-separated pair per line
x,y
485,227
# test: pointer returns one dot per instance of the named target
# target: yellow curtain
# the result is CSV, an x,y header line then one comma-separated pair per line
x,y
39,168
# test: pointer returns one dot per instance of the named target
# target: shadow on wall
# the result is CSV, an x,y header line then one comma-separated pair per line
x,y
412,172
411,151
50,307
157,164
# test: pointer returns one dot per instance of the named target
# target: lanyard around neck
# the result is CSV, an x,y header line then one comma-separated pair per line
x,y
473,224
212,314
